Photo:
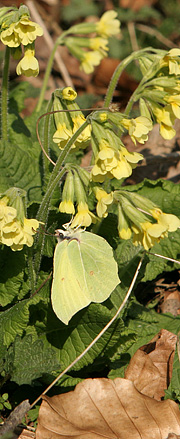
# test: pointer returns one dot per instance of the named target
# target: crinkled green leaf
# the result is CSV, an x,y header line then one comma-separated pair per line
x,y
144,325
168,247
164,193
71,340
13,282
14,321
173,391
17,96
18,169
32,359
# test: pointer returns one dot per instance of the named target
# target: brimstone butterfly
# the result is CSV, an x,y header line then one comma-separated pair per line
x,y
85,271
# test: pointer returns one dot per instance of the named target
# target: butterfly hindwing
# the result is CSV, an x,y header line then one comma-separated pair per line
x,y
84,272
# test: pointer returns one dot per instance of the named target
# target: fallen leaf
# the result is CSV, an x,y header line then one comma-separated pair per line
x,y
150,368
136,5
106,408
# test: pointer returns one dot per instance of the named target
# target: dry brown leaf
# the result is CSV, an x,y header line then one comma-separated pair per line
x,y
150,368
136,5
104,408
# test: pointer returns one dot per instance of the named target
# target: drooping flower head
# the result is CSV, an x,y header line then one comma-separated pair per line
x,y
17,29
104,200
172,60
28,65
21,31
141,218
108,25
15,229
138,128
68,122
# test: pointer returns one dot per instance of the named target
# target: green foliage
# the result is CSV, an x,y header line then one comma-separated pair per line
x,y
35,346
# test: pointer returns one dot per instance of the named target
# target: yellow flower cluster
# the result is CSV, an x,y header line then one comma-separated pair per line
x,y
68,123
162,93
104,200
13,233
106,27
147,228
22,31
113,163
138,128
83,217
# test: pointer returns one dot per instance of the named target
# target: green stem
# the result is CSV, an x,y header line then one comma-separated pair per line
x,y
4,96
46,142
31,271
58,42
134,97
56,176
117,73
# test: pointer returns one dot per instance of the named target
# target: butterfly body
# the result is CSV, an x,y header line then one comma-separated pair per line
x,y
84,272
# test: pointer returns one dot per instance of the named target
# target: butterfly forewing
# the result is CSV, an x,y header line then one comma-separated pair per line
x,y
84,272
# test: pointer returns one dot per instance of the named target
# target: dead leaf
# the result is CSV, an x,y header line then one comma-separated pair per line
x,y
136,5
150,368
171,302
106,408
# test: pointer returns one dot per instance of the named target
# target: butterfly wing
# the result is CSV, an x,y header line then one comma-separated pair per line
x,y
84,271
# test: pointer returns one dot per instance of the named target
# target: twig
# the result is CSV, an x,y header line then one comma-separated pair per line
x,y
157,34
97,337
132,34
50,43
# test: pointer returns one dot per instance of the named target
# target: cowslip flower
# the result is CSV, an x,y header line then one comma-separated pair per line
x,y
99,44
67,203
23,32
62,135
113,163
171,222
172,60
28,65
148,234
83,216
174,101
89,60
69,94
16,235
67,206
104,200
138,128
85,135
7,213
166,119
108,25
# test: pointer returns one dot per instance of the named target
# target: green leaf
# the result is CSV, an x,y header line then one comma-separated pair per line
x,y
14,321
169,247
13,282
173,391
17,96
144,324
32,360
71,340
18,168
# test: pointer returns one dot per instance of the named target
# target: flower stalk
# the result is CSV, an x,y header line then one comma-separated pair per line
x,y
4,96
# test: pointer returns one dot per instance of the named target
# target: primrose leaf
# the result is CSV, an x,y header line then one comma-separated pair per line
x,y
168,247
12,281
14,321
71,340
18,169
17,96
32,360
173,391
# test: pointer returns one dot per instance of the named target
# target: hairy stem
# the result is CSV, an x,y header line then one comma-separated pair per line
x,y
4,96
